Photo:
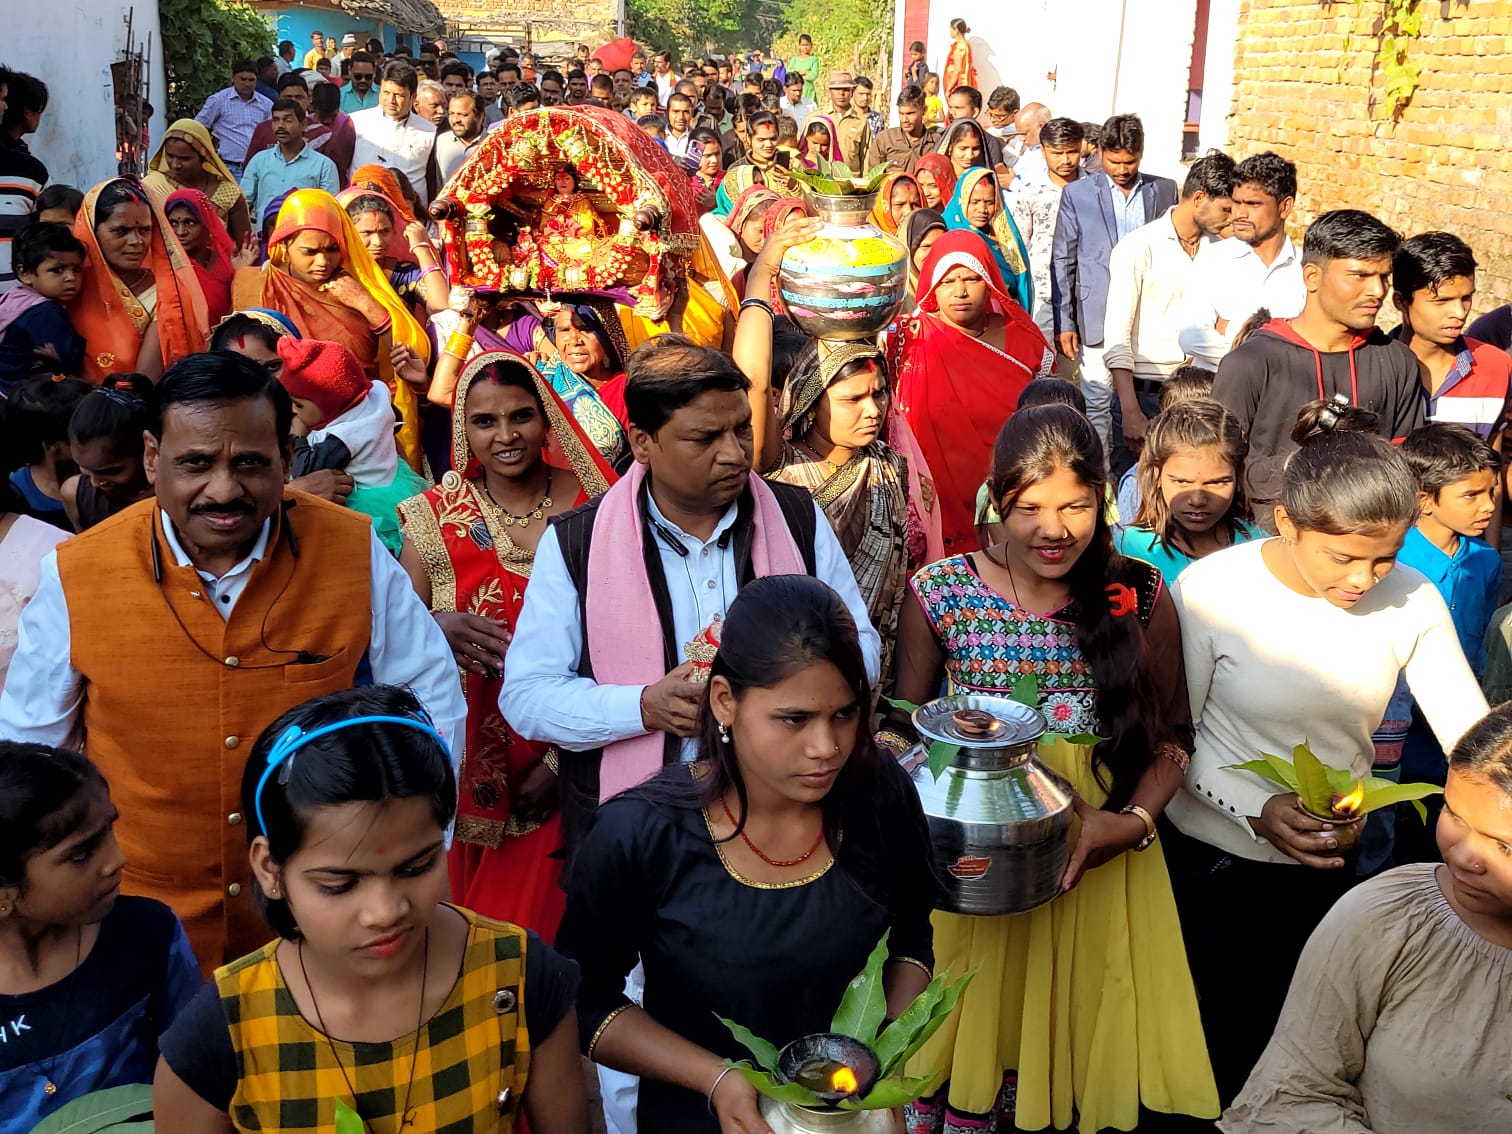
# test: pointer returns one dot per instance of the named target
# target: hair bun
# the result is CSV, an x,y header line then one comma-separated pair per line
x,y
1335,415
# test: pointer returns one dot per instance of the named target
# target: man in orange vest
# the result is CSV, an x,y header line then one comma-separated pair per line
x,y
163,640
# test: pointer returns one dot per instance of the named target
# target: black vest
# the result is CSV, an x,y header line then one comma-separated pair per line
x,y
580,771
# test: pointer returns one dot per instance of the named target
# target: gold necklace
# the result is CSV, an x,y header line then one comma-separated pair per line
x,y
509,519
49,1087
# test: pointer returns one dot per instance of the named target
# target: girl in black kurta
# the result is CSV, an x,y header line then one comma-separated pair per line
x,y
753,884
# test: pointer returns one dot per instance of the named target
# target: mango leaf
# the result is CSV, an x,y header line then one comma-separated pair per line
x,y
347,1120
765,1053
941,753
115,1109
874,177
889,1094
1342,780
864,1004
1422,811
1384,793
1267,770
916,1023
1312,781
1079,737
902,705
1026,690
772,1089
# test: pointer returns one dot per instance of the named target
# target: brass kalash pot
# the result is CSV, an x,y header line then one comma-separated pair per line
x,y
835,1067
999,819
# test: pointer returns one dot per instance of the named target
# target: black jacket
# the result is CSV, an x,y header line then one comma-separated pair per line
x,y
1275,372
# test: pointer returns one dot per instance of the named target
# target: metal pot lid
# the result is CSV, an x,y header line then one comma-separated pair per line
x,y
979,720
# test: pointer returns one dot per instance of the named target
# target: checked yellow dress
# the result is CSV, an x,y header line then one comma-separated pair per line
x,y
1084,1008
469,1052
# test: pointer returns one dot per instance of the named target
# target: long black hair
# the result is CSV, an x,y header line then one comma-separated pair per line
x,y
45,793
360,764
777,627
1343,479
1034,444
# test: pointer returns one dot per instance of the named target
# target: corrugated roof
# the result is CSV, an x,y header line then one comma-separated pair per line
x,y
418,16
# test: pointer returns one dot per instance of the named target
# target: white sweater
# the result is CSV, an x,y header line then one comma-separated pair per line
x,y
1268,668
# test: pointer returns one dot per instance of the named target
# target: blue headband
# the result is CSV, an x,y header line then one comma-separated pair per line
x,y
294,738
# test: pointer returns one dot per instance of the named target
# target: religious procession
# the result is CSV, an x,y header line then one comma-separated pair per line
x,y
614,587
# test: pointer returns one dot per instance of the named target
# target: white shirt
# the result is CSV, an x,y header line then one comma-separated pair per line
x,y
1149,274
405,147
666,86
544,699
1268,668
44,695
678,147
799,111
1232,282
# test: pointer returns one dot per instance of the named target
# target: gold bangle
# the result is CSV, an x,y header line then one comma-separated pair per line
x,y
458,344
918,964
550,760
598,1033
1146,818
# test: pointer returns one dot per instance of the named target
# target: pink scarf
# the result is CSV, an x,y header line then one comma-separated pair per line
x,y
625,644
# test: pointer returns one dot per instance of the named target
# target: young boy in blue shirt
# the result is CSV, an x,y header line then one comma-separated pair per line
x,y
1457,478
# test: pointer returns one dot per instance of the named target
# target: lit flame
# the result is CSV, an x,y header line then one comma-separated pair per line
x,y
1350,804
844,1079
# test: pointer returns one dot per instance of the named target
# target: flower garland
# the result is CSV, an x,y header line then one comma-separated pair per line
x,y
519,161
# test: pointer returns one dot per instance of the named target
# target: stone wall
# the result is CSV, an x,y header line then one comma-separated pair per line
x,y
1306,85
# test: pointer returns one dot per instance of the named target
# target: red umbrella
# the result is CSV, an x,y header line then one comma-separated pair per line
x,y
617,54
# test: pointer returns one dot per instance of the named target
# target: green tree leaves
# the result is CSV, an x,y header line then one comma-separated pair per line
x,y
201,39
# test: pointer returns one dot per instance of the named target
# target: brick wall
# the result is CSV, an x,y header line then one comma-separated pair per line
x,y
1446,164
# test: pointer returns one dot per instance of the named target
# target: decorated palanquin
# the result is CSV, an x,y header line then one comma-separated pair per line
x,y
622,217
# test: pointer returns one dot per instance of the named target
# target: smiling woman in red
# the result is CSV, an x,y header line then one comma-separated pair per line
x,y
961,359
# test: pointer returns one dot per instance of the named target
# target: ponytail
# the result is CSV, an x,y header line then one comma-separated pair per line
x,y
1344,479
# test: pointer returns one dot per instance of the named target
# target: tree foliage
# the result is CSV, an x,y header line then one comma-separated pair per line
x,y
848,34
201,39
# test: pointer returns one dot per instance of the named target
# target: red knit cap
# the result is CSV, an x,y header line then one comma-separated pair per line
x,y
326,374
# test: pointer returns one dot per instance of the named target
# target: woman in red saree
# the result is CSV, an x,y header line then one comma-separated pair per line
x,y
139,307
468,547
936,180
960,71
321,275
961,360
209,247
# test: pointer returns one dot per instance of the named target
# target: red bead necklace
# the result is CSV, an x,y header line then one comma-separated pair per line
x,y
757,851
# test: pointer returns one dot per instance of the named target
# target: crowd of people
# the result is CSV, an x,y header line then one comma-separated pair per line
x,y
408,691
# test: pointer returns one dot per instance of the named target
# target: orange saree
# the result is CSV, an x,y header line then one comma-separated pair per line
x,y
112,321
355,317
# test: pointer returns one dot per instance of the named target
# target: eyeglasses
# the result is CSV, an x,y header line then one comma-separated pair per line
x,y
364,74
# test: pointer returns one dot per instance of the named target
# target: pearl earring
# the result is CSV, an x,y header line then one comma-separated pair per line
x,y
724,733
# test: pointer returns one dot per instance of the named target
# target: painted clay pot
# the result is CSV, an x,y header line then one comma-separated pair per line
x,y
849,281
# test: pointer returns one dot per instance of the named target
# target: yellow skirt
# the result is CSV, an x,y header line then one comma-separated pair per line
x,y
1088,998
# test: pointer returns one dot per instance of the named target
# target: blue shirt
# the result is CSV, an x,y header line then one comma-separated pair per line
x,y
352,102
1128,211
97,1027
268,176
1142,543
1469,581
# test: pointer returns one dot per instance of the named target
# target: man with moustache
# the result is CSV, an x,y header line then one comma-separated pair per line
x,y
1332,349
1257,267
289,165
359,93
1035,203
231,599
670,545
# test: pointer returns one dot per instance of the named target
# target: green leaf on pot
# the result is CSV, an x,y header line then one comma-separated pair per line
x,y
905,1035
772,1089
1272,768
1026,690
764,1052
1313,788
113,1110
941,753
889,1094
1079,737
864,1005
1383,793
902,705
874,177
347,1120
